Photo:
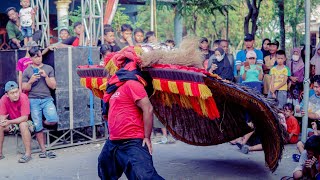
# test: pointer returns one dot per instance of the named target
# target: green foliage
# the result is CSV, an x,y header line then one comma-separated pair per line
x,y
120,18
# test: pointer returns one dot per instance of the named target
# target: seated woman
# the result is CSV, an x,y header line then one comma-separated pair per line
x,y
251,73
219,64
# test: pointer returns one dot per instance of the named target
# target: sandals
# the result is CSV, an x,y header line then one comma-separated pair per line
x,y
49,154
24,159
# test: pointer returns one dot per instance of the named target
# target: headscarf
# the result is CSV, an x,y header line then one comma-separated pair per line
x,y
296,66
265,52
224,69
316,56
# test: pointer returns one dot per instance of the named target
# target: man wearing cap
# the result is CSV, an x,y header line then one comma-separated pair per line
x,y
241,55
204,48
269,62
38,79
14,110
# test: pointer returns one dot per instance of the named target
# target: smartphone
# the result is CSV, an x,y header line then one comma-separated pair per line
x,y
246,64
36,71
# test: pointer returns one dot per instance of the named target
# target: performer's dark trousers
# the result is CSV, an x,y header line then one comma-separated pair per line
x,y
128,156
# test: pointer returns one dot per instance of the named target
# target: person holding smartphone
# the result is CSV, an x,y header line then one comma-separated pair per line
x,y
251,73
219,64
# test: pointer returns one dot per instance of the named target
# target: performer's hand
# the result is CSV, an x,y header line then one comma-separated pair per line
x,y
149,145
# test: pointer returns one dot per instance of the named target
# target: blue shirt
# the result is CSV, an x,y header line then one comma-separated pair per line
x,y
241,56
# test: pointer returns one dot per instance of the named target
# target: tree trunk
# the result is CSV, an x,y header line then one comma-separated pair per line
x,y
247,18
195,19
282,25
254,7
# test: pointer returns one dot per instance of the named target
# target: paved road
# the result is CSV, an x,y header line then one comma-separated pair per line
x,y
172,161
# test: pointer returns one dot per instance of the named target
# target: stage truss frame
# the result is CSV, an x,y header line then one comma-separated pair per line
x,y
92,20
42,20
67,139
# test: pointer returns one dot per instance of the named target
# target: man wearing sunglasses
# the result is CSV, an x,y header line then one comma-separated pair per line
x,y
38,79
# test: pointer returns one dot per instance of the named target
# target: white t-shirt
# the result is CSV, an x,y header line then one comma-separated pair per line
x,y
25,15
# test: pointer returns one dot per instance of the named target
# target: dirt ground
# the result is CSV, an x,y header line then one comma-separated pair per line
x,y
172,161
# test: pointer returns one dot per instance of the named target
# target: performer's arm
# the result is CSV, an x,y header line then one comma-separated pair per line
x,y
147,111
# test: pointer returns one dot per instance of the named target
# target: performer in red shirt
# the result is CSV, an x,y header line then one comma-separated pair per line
x,y
129,147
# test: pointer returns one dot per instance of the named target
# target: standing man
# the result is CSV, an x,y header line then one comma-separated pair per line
x,y
224,44
129,147
15,110
38,79
249,44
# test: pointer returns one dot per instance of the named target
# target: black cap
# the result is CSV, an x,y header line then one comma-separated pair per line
x,y
203,39
248,37
274,42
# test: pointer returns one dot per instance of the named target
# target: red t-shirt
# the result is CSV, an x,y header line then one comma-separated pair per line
x,y
125,119
76,42
293,127
15,109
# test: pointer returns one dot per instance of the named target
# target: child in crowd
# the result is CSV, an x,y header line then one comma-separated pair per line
x,y
205,49
279,76
150,37
138,35
105,49
24,62
126,36
293,127
296,66
170,43
251,73
74,40
64,34
26,15
109,38
309,161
